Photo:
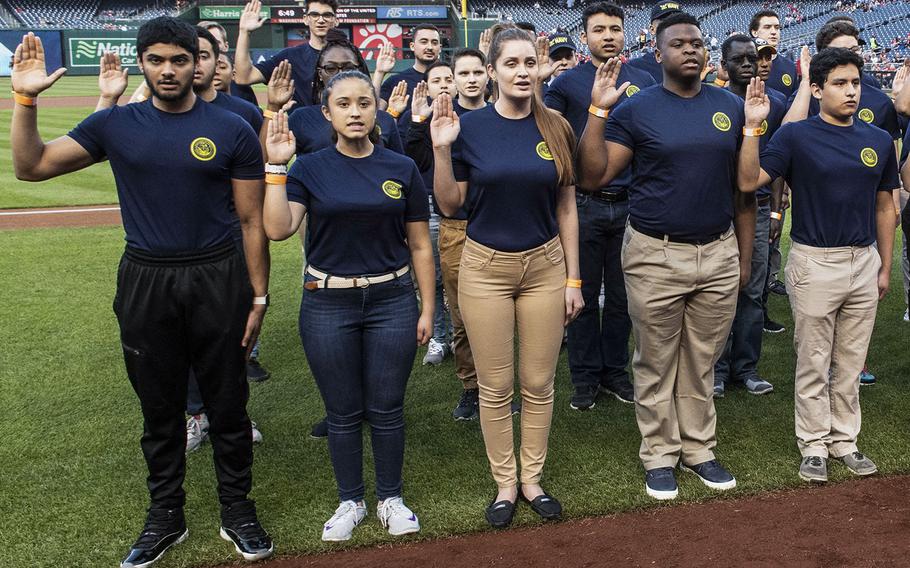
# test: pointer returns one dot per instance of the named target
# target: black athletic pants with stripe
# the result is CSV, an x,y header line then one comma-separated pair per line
x,y
177,313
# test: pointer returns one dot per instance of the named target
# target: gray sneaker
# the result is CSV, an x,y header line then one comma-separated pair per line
x,y
858,464
758,385
718,389
197,432
436,352
814,468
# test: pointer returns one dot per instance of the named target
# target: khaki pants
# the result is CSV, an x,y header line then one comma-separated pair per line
x,y
497,292
834,297
682,299
451,243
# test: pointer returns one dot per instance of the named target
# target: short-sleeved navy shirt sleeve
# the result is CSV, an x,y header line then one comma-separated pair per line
x,y
783,76
313,132
875,108
248,112
303,69
834,179
410,75
570,95
358,209
513,186
173,171
684,161
648,63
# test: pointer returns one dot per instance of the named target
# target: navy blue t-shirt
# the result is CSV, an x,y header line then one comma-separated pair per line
x,y
875,107
570,95
769,127
775,94
511,178
410,75
834,179
648,63
684,163
244,92
870,79
173,170
313,132
783,76
248,112
303,70
357,209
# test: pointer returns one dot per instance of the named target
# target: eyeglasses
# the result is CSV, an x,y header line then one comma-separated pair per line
x,y
332,69
321,15
857,49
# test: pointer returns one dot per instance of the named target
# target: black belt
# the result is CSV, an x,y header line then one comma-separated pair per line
x,y
684,240
762,201
605,196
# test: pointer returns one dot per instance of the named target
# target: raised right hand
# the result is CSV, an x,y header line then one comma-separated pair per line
x,y
112,80
281,86
804,60
398,100
444,127
385,60
419,104
604,94
249,18
757,104
280,143
29,73
486,39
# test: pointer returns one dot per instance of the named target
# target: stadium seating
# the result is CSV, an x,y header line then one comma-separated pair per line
x,y
93,14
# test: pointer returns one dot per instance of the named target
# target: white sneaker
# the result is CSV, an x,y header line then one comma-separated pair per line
x,y
395,516
197,431
347,516
436,352
907,314
257,435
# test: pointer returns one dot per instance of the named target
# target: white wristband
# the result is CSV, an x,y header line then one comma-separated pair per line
x,y
276,169
261,300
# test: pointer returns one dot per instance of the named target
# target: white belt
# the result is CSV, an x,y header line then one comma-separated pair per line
x,y
324,280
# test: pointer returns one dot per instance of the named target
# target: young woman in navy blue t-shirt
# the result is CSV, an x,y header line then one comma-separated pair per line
x,y
359,319
520,261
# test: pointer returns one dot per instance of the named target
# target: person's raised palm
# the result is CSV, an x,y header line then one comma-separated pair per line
x,y
605,94
419,104
545,67
29,73
398,100
280,143
250,19
112,80
757,105
805,58
385,60
281,86
444,127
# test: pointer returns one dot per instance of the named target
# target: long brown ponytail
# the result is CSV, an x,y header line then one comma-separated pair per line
x,y
555,129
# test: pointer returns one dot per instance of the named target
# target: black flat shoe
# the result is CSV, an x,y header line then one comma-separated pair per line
x,y
544,505
500,513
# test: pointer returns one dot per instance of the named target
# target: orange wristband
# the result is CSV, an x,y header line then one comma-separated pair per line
x,y
720,83
573,283
599,112
394,113
755,132
269,114
25,101
276,179
776,215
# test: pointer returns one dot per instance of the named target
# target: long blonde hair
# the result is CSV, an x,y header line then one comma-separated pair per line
x,y
555,129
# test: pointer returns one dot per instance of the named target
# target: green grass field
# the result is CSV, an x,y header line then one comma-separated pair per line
x,y
79,86
73,491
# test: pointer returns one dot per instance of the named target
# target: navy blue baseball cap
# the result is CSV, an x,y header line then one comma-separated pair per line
x,y
663,9
559,41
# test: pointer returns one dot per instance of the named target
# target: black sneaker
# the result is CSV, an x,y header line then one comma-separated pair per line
x,y
163,529
660,483
468,407
622,390
583,397
256,372
240,525
320,429
772,326
777,287
712,474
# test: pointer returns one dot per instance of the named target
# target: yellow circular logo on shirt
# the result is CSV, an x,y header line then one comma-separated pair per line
x,y
392,189
786,79
866,115
544,151
203,149
631,90
721,121
869,157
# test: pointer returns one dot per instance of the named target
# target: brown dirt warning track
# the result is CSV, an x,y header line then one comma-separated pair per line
x,y
58,217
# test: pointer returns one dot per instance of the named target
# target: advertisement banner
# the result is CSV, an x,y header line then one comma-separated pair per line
x,y
356,15
287,14
370,38
53,51
87,51
411,12
228,12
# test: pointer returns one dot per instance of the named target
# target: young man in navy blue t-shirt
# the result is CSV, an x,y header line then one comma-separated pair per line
x,y
765,24
739,362
599,340
319,19
840,262
185,295
681,260
426,45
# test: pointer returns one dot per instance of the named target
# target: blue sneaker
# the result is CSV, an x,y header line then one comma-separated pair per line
x,y
866,378
712,474
660,483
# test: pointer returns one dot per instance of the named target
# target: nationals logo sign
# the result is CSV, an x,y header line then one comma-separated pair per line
x,y
370,38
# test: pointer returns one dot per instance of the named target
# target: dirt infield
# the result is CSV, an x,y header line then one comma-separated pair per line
x,y
859,523
55,217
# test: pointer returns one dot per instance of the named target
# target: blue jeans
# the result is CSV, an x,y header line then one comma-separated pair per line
x,y
441,324
360,344
599,346
739,361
